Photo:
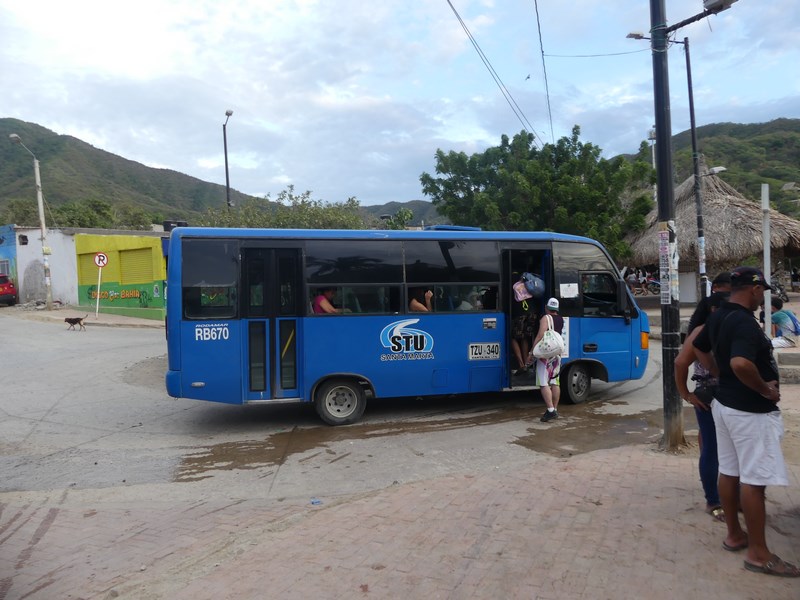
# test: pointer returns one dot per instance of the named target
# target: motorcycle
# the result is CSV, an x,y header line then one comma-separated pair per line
x,y
778,289
653,286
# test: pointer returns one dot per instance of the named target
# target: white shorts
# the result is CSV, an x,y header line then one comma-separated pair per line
x,y
547,371
749,445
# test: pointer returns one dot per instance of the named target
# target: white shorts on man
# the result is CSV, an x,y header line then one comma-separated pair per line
x,y
749,445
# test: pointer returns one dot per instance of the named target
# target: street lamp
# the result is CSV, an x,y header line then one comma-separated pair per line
x,y
40,202
698,197
705,286
228,114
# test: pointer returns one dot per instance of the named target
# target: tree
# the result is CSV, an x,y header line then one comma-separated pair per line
x,y
84,213
21,212
289,211
564,187
128,216
400,219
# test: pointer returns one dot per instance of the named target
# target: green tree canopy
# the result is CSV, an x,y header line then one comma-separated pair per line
x,y
288,211
400,219
564,187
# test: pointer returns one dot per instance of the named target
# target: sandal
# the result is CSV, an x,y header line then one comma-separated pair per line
x,y
716,512
774,566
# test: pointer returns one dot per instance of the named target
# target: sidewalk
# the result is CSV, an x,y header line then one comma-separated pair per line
x,y
57,315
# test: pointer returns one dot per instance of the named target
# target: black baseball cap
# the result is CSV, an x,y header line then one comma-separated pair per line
x,y
742,276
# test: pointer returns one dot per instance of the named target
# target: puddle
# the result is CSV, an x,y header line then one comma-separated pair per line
x,y
581,429
593,432
275,449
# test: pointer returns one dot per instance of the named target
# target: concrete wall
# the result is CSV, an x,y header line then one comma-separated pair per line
x,y
30,266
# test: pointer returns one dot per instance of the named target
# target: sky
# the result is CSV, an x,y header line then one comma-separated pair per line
x,y
346,98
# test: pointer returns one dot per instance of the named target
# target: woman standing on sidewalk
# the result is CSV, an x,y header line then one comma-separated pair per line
x,y
701,398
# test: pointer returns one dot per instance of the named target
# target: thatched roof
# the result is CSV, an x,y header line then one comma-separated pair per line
x,y
732,225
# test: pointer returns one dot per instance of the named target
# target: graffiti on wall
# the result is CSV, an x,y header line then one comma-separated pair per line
x,y
131,296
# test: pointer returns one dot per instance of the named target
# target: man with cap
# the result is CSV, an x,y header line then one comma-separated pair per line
x,y
721,283
548,369
747,419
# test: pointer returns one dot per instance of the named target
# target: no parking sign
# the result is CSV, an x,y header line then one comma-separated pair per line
x,y
101,260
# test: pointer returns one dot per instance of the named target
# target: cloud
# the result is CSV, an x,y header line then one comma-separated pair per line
x,y
352,99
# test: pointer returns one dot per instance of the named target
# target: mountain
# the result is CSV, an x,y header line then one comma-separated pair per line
x,y
78,171
752,154
424,212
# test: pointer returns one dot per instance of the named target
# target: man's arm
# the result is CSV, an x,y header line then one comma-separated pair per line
x,y
747,372
682,363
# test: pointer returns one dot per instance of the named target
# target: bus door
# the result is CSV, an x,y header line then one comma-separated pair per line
x,y
605,332
271,311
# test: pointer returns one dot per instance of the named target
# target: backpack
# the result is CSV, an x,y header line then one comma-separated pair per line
x,y
521,291
534,284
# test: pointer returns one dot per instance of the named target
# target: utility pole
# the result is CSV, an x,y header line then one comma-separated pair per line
x,y
40,205
667,236
668,242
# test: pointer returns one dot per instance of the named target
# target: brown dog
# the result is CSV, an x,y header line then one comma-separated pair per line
x,y
76,321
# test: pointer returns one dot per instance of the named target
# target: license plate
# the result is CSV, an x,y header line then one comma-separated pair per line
x,y
490,351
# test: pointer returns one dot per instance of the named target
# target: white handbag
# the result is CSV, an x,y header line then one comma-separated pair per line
x,y
551,344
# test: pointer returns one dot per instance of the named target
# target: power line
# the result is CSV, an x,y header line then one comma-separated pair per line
x,y
526,124
544,71
595,55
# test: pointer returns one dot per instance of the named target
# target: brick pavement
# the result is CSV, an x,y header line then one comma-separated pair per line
x,y
619,523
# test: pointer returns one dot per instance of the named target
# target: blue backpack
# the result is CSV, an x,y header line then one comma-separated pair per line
x,y
534,284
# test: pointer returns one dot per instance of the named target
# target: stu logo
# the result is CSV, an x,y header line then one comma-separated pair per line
x,y
405,342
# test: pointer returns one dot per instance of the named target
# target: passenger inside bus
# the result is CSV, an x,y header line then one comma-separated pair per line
x,y
323,302
420,300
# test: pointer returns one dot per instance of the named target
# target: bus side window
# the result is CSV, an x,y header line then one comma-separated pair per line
x,y
599,294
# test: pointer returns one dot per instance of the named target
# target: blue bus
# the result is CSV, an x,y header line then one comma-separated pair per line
x,y
243,326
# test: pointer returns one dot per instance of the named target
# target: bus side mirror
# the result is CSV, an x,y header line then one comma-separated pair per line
x,y
623,294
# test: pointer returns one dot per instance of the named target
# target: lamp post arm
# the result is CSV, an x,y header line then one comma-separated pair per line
x,y
690,20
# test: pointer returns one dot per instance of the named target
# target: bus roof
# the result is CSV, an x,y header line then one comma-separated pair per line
x,y
379,234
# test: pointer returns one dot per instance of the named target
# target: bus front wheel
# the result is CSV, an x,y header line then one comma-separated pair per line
x,y
577,383
340,402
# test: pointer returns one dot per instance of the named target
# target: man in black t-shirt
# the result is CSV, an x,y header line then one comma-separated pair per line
x,y
721,283
746,416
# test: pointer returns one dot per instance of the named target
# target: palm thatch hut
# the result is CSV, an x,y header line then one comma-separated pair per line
x,y
733,228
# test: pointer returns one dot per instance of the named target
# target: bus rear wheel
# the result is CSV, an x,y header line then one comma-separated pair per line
x,y
576,383
340,402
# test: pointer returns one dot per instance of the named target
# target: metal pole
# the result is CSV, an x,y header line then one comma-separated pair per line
x,y
668,255
45,249
698,195
227,178
767,259
228,114
652,136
